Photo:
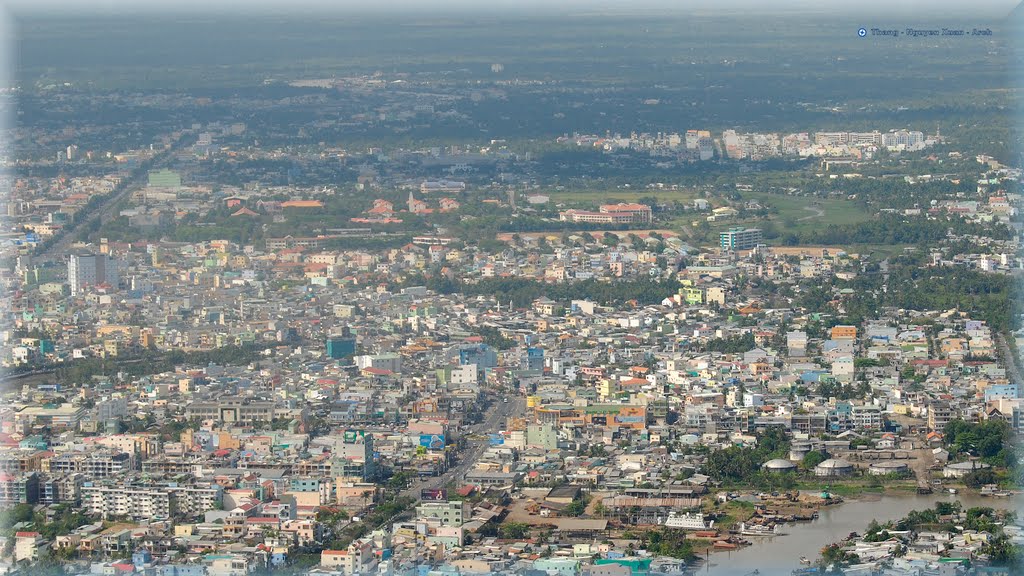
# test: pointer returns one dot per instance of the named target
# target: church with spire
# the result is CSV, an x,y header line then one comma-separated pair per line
x,y
416,206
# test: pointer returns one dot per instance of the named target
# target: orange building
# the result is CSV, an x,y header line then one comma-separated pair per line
x,y
844,332
302,204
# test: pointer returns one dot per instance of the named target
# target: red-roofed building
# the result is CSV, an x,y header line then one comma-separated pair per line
x,y
243,211
639,212
381,206
26,545
333,558
371,371
255,527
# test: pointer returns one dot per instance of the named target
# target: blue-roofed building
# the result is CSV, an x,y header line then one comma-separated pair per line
x,y
480,354
1002,391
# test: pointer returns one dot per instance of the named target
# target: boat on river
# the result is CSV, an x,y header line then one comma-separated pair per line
x,y
688,521
759,530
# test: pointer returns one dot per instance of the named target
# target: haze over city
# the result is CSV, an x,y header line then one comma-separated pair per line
x,y
567,289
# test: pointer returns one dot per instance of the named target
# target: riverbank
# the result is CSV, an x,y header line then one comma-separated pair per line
x,y
781,554
927,539
805,509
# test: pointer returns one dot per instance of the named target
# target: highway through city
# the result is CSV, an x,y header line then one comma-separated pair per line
x,y
477,444
58,249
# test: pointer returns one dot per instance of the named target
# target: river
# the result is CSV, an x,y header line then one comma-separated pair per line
x,y
780,555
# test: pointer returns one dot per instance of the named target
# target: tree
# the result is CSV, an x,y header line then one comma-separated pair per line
x,y
983,439
1004,553
577,507
15,515
979,478
513,530
812,459
672,543
836,554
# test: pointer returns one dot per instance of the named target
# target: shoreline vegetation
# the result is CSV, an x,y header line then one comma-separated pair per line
x,y
967,536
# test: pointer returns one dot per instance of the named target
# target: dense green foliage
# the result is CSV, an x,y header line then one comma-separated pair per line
x,y
743,464
667,542
513,530
813,458
155,362
15,515
835,554
894,230
988,440
951,517
914,285
840,391
577,506
383,512
492,337
731,345
64,521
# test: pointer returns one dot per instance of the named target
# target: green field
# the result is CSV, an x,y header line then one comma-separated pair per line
x,y
619,195
800,213
795,213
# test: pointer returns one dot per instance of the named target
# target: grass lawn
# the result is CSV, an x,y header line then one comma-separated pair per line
x,y
795,214
734,512
853,487
809,213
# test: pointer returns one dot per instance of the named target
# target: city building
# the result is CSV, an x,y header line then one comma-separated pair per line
x,y
740,238
449,513
88,270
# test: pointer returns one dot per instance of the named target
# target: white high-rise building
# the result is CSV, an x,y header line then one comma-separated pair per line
x,y
90,270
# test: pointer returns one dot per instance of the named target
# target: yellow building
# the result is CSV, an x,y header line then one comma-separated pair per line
x,y
607,388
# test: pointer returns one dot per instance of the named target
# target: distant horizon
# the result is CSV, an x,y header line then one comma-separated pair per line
x,y
926,10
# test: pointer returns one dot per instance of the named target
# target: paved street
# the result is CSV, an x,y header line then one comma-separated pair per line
x,y
495,421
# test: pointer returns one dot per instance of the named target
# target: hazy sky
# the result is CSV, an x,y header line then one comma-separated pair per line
x,y
924,8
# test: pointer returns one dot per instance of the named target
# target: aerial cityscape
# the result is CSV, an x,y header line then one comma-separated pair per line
x,y
588,292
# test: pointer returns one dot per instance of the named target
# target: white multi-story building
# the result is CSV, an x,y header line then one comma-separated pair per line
x,y
91,270
903,139
133,502
867,417
93,464
150,502
111,408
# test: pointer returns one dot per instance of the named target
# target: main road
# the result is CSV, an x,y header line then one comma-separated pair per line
x,y
104,211
475,447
